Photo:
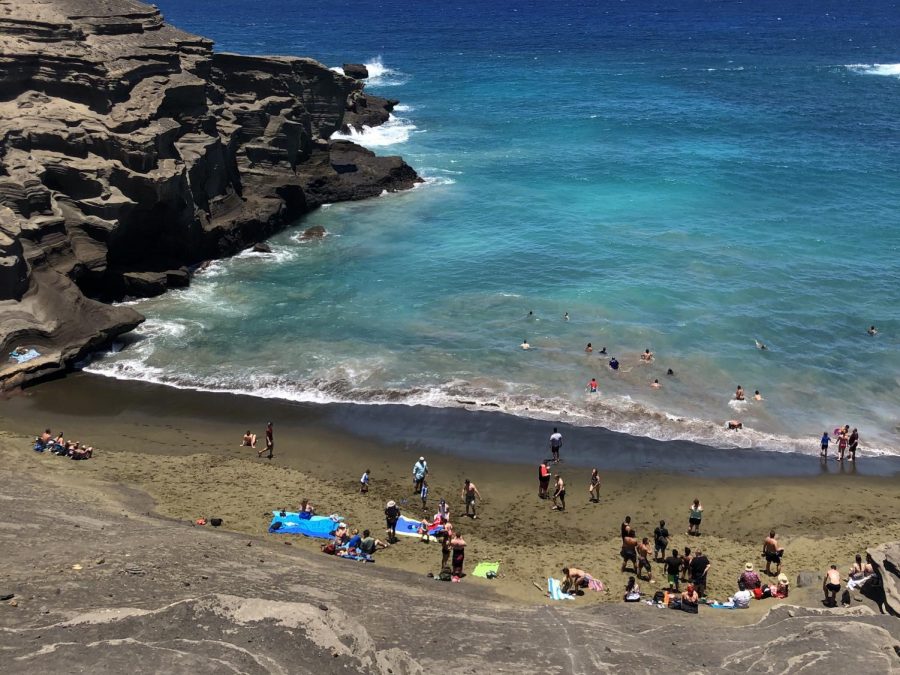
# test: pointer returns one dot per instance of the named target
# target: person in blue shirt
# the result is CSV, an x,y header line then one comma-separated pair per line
x,y
354,540
613,363
826,439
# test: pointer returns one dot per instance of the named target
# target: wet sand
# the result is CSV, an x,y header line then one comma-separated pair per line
x,y
182,447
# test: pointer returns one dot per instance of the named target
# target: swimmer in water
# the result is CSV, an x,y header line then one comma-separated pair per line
x,y
602,350
592,385
525,344
670,372
760,345
734,425
656,384
613,363
739,394
589,348
872,330
647,356
566,316
757,396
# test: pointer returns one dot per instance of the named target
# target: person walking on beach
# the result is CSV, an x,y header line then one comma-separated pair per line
x,y
543,480
660,540
826,439
469,493
854,444
643,555
594,488
772,553
270,443
559,495
364,482
696,514
391,516
420,470
555,444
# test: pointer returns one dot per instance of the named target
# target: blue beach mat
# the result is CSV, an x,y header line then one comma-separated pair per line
x,y
320,527
23,358
410,528
554,589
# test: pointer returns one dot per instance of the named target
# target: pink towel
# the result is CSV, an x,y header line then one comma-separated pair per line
x,y
594,584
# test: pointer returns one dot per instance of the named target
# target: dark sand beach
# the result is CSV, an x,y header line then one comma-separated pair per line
x,y
182,447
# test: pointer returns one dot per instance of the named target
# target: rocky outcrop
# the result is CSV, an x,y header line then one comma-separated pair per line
x,y
357,71
130,151
365,110
886,560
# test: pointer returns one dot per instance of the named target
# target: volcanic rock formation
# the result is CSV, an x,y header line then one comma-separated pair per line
x,y
130,151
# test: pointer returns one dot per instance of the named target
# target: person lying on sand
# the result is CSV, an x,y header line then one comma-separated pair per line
x,y
632,590
690,596
249,440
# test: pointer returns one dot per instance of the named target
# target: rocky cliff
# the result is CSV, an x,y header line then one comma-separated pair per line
x,y
130,150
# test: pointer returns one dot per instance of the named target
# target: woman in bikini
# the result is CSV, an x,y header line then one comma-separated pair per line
x,y
594,488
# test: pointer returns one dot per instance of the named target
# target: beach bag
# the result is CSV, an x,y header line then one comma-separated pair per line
x,y
659,596
445,574
758,593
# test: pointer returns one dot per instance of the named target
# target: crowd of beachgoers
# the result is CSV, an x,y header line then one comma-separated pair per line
x,y
58,445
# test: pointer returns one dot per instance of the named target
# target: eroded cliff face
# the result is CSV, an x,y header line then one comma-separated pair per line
x,y
129,150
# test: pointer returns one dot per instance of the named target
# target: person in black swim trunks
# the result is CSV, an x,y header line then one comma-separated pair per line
x,y
831,586
772,553
629,551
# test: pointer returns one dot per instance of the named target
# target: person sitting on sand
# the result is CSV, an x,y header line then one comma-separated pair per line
x,y
574,579
249,440
632,590
391,516
59,443
369,544
589,348
647,356
629,551
772,553
525,344
354,541
856,569
741,599
739,393
83,453
872,330
749,577
734,425
690,597
673,569
594,487
559,495
782,588
643,555
43,441
831,586
757,396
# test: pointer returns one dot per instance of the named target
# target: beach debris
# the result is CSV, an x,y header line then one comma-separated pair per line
x,y
76,566
13,603
7,596
44,609
215,522
99,561
136,570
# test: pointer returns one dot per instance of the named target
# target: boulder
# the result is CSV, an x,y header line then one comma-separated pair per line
x,y
314,232
356,70
806,578
261,247
886,560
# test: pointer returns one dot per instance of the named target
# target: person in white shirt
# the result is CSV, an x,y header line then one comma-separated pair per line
x,y
555,443
741,599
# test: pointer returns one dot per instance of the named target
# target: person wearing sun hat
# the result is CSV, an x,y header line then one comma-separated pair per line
x,y
391,516
749,577
784,586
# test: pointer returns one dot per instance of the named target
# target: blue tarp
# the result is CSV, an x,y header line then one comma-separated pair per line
x,y
23,358
320,527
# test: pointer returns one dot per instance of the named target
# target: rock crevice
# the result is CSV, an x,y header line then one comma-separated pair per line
x,y
131,151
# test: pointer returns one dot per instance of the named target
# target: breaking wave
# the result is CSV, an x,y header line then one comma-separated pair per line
x,y
885,69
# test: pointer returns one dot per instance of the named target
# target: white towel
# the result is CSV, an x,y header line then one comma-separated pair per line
x,y
555,590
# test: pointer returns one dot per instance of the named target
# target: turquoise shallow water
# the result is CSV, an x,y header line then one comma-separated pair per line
x,y
687,178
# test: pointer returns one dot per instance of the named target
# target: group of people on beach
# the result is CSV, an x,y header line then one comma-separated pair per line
x,y
847,442
249,441
58,445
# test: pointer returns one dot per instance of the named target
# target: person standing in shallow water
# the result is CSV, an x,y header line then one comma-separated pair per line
x,y
854,444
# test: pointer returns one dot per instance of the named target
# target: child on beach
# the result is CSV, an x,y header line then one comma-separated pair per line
x,y
423,493
364,482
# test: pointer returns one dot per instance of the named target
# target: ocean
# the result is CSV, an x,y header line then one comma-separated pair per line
x,y
687,177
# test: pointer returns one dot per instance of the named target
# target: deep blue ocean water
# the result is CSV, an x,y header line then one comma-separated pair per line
x,y
687,177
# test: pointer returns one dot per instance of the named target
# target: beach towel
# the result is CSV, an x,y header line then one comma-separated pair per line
x,y
410,528
594,584
555,590
320,527
859,583
359,557
22,358
721,605
482,569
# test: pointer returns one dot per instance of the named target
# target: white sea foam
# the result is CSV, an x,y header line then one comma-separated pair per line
x,y
382,76
435,180
395,130
885,69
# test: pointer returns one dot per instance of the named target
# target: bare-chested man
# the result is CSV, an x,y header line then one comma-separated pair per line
x,y
629,551
469,493
773,553
559,494
831,585
643,555
575,579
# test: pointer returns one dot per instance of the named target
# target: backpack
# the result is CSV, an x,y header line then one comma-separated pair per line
x,y
445,574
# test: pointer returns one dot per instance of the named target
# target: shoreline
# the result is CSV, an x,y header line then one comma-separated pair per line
x,y
182,448
461,432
